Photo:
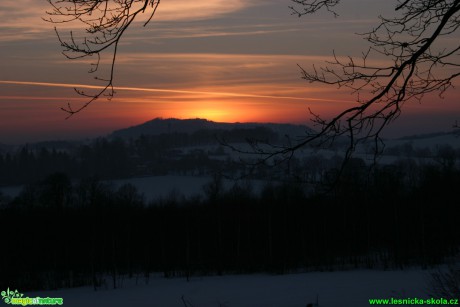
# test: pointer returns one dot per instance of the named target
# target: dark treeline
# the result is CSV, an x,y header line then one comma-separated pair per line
x,y
57,234
182,154
111,158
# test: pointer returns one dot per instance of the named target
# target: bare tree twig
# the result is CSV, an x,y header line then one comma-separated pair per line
x,y
104,22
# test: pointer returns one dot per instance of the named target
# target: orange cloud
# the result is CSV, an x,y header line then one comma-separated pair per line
x,y
182,10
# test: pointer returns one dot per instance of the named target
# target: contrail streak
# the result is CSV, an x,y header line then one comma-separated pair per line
x,y
157,90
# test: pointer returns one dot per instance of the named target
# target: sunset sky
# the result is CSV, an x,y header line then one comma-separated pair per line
x,y
233,61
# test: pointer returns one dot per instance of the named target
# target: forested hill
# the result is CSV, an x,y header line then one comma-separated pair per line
x,y
160,126
157,147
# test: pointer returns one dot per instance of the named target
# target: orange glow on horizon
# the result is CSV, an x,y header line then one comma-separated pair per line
x,y
135,105
220,110
245,103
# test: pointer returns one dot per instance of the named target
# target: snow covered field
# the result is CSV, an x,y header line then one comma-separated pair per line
x,y
334,289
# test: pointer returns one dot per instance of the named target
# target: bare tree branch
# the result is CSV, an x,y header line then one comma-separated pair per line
x,y
105,22
418,64
312,6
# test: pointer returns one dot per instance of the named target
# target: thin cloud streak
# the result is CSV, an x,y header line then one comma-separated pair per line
x,y
31,98
246,28
28,15
140,89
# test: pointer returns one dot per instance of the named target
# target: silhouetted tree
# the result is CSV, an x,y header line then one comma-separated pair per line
x,y
445,283
127,196
446,156
418,62
56,191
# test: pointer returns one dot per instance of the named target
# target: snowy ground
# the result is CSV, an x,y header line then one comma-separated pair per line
x,y
334,289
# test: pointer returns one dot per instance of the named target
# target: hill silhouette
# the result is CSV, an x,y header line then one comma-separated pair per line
x,y
160,126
